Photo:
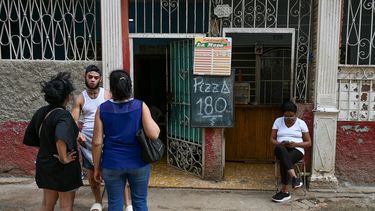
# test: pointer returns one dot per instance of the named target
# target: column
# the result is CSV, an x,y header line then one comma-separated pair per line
x,y
111,38
325,113
214,154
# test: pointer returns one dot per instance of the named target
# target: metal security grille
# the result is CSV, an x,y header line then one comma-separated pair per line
x,y
202,16
48,29
185,149
275,76
273,14
169,16
358,33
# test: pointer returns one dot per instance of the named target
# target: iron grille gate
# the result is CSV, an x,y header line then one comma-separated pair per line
x,y
184,143
49,29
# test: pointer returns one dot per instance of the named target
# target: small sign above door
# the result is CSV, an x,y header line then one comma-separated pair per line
x,y
212,56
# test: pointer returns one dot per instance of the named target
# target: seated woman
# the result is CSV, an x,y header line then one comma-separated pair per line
x,y
290,136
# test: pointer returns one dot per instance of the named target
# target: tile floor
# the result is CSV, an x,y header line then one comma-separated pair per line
x,y
237,176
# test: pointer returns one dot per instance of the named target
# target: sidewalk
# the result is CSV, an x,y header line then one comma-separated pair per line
x,y
18,194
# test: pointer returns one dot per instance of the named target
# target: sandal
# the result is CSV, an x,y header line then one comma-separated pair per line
x,y
96,207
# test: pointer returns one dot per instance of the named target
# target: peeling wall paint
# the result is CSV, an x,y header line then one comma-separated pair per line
x,y
355,152
213,154
356,128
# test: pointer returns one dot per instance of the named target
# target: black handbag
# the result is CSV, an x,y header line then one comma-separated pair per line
x,y
152,150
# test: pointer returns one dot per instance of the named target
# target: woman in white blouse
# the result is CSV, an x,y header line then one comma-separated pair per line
x,y
290,136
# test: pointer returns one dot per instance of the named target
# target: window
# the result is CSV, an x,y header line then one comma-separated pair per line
x,y
50,29
358,33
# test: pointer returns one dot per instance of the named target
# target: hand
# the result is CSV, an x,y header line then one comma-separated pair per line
x,y
71,156
98,175
81,138
291,144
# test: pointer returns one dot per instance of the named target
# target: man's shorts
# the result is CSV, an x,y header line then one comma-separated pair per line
x,y
86,163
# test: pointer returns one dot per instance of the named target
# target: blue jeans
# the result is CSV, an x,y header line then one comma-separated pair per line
x,y
115,181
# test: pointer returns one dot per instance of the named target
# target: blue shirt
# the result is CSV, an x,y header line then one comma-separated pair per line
x,y
121,121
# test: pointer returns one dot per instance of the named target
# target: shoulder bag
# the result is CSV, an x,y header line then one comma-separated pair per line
x,y
152,150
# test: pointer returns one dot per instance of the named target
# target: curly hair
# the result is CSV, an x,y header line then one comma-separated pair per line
x,y
57,89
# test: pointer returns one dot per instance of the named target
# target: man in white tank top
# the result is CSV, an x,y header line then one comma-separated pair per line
x,y
86,105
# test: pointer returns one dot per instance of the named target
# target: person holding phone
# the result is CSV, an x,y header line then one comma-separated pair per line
x,y
290,136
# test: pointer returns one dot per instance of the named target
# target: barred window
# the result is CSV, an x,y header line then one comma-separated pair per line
x,y
50,29
358,33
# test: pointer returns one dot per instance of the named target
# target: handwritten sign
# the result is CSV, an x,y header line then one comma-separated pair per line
x,y
212,101
212,56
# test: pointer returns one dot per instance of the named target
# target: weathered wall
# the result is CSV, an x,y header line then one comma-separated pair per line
x,y
355,152
305,112
20,97
214,154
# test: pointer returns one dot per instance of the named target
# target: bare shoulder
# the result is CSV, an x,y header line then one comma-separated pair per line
x,y
79,100
107,94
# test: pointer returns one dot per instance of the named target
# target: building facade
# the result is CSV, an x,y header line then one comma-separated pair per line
x,y
320,54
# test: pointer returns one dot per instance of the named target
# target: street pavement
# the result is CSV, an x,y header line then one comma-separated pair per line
x,y
21,194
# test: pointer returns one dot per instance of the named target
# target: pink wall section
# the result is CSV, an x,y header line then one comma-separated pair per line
x,y
355,152
15,158
305,113
213,152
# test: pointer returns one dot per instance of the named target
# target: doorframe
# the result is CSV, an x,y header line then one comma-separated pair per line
x,y
291,31
133,36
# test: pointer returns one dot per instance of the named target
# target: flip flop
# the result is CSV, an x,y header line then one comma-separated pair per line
x,y
96,207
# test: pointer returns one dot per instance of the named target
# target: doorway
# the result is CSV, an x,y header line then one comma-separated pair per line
x,y
150,62
263,61
162,76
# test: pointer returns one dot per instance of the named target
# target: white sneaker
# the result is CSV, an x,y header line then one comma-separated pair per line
x,y
129,208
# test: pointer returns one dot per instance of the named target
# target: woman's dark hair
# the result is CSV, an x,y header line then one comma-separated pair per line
x,y
120,85
57,89
289,106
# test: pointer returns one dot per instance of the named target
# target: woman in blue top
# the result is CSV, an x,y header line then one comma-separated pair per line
x,y
118,158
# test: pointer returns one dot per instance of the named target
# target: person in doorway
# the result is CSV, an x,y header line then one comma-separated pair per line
x,y
58,171
290,136
86,104
118,158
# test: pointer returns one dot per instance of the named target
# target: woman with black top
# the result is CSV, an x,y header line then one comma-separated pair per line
x,y
58,170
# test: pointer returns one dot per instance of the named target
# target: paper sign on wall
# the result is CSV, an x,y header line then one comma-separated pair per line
x,y
212,56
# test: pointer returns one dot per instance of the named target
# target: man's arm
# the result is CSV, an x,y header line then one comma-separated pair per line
x,y
76,112
77,107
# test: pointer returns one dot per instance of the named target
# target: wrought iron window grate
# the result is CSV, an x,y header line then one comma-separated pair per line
x,y
358,33
49,29
168,16
295,14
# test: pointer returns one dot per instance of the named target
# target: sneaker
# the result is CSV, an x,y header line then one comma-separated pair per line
x,y
129,208
296,182
281,197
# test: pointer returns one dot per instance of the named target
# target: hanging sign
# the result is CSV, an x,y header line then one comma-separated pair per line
x,y
212,101
212,56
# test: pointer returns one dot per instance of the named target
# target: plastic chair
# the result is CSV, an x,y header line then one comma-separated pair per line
x,y
300,169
